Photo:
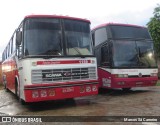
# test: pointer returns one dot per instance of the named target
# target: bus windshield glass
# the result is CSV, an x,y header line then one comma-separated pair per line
x,y
42,37
77,37
133,54
57,38
119,32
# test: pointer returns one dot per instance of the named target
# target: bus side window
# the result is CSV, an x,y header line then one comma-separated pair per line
x,y
105,55
100,36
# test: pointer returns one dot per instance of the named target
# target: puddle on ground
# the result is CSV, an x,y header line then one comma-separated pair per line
x,y
12,109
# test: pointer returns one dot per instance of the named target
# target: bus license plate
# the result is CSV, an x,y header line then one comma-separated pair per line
x,y
68,89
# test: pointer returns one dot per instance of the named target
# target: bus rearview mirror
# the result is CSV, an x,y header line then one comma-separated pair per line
x,y
18,37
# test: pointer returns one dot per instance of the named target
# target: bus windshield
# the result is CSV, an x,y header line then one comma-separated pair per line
x,y
78,39
42,37
119,32
133,54
45,37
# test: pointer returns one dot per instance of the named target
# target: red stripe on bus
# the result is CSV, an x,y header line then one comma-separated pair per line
x,y
63,62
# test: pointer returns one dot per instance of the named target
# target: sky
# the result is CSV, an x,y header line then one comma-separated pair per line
x,y
136,12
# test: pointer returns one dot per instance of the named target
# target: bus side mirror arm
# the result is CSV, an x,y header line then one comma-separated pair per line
x,y
18,38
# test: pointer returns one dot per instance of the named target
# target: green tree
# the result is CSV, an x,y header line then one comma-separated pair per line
x,y
154,29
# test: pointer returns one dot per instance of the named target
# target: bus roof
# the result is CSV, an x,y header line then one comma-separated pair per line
x,y
56,16
116,24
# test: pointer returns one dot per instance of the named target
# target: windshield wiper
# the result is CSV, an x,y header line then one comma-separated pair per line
x,y
75,48
51,52
131,38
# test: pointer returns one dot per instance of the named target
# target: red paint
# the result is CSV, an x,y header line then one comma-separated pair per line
x,y
10,71
63,62
129,82
116,24
56,16
59,94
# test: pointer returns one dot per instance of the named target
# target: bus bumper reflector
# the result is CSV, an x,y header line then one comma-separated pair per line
x,y
43,93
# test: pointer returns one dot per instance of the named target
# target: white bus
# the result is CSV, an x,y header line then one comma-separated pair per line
x,y
125,56
50,57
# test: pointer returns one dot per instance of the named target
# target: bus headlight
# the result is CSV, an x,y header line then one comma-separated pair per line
x,y
121,75
35,94
154,74
43,93
94,88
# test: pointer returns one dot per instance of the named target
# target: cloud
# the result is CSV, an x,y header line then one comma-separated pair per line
x,y
102,11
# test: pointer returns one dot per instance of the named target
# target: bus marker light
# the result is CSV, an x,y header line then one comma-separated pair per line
x,y
35,94
93,61
34,63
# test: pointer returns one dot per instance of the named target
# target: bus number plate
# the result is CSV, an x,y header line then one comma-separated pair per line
x,y
68,89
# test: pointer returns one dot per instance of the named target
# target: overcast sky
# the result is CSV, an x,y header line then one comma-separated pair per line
x,y
97,11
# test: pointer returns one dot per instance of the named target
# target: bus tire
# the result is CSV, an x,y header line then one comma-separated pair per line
x,y
16,89
70,101
22,101
126,89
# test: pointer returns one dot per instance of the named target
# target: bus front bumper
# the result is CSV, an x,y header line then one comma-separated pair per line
x,y
133,82
48,92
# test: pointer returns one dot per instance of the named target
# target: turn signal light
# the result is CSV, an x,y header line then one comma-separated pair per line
x,y
154,74
35,94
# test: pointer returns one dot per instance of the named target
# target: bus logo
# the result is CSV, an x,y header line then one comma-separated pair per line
x,y
53,75
140,75
67,74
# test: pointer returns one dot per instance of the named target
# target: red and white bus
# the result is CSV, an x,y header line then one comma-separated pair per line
x,y
50,57
125,56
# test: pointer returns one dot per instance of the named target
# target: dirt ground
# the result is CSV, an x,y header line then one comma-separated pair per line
x,y
137,102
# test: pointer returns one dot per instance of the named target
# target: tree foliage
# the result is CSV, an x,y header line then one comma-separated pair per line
x,y
154,29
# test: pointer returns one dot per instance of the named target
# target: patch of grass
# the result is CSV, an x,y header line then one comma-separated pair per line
x,y
158,83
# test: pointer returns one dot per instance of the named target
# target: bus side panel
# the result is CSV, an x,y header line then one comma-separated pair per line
x,y
11,76
7,74
104,78
10,71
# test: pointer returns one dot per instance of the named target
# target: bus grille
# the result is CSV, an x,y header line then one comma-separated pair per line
x,y
63,75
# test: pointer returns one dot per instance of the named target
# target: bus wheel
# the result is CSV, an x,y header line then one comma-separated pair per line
x,y
22,101
126,89
17,90
70,101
